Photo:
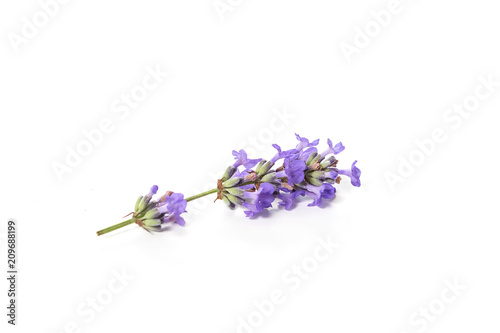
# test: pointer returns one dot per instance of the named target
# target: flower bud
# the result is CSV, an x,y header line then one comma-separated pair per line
x,y
265,168
235,191
228,203
151,214
234,199
151,222
137,203
228,173
317,174
315,161
142,204
259,166
311,157
313,181
328,162
269,178
233,182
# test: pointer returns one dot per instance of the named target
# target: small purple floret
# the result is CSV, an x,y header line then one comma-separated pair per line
x,y
287,199
151,192
294,171
354,174
261,199
304,143
242,159
173,206
325,191
337,149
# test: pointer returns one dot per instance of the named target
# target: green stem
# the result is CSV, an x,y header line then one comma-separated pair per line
x,y
116,226
214,190
194,197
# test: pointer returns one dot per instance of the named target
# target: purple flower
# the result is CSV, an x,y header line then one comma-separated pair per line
x,y
143,201
153,190
241,159
150,194
304,143
260,199
354,174
332,174
288,198
304,148
281,154
325,191
173,206
338,148
304,155
243,174
294,171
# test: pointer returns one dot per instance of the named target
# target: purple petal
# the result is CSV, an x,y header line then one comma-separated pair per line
x,y
294,170
242,159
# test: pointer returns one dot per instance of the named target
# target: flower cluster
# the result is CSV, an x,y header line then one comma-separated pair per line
x,y
152,214
256,183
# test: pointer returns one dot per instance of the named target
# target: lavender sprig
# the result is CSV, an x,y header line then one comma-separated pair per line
x,y
254,184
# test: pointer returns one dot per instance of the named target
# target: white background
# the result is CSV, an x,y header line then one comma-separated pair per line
x,y
228,78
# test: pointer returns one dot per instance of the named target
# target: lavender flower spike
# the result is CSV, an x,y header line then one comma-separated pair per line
x,y
255,186
173,207
168,209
